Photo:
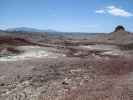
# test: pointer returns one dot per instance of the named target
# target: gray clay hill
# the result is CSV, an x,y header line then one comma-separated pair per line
x,y
120,36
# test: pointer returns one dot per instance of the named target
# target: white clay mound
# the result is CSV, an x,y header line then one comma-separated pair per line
x,y
29,53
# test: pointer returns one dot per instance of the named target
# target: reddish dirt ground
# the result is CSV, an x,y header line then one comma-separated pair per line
x,y
87,76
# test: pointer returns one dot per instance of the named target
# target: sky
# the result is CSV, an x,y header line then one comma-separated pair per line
x,y
67,15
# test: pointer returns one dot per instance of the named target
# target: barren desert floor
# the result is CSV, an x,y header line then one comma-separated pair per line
x,y
80,72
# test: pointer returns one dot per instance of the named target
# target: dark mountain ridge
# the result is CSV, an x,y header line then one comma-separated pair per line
x,y
27,29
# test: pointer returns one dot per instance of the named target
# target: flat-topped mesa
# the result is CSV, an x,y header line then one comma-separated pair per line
x,y
120,31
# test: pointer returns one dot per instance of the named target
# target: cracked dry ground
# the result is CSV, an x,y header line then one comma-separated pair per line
x,y
68,78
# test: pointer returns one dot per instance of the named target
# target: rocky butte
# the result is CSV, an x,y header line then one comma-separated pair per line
x,y
120,31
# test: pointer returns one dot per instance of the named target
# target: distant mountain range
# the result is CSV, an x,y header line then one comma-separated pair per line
x,y
27,29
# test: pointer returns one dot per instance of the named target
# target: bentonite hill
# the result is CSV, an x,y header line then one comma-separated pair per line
x,y
46,67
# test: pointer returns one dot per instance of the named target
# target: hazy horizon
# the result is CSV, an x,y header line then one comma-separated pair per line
x,y
67,15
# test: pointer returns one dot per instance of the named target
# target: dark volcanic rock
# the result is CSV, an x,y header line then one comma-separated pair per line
x,y
120,31
119,28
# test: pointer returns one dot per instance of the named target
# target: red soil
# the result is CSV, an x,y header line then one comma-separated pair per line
x,y
14,41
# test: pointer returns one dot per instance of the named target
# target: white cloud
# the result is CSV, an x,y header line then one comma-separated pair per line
x,y
100,11
118,11
111,7
115,11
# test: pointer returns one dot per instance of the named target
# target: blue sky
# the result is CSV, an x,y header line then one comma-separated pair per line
x,y
67,15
